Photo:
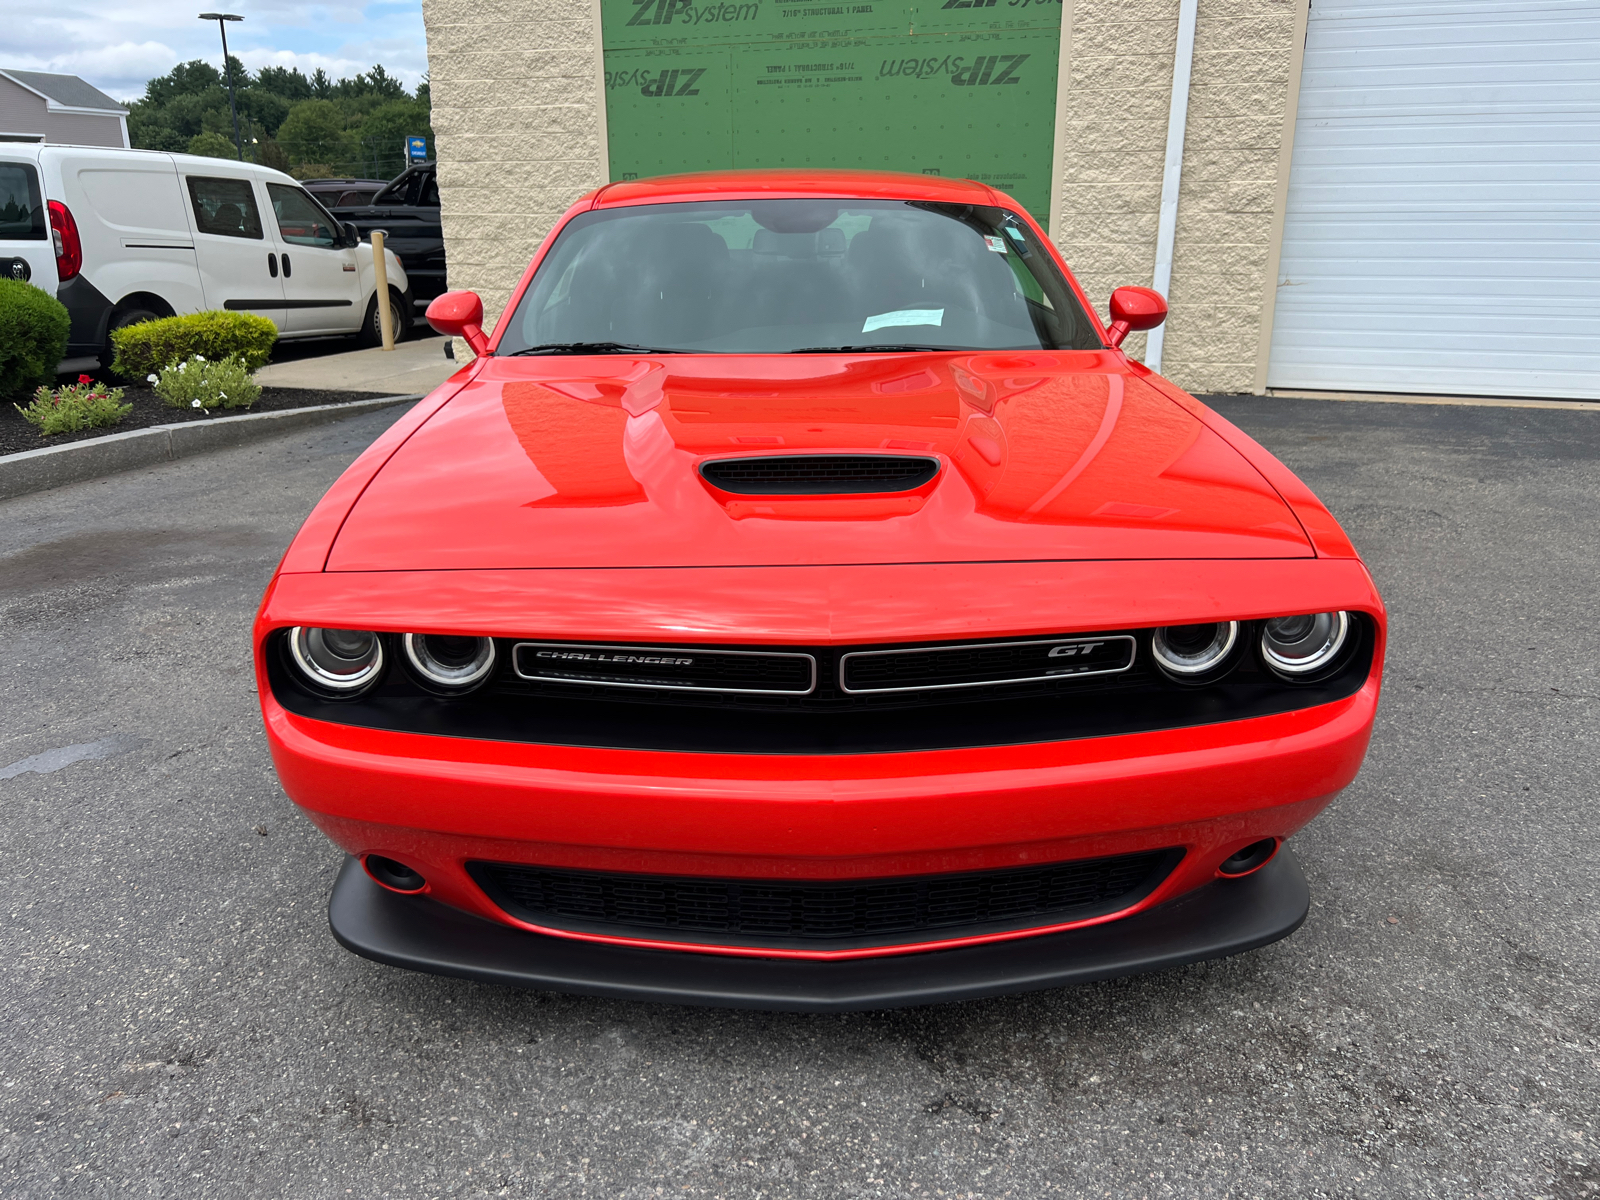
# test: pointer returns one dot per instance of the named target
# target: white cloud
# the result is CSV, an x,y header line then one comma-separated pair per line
x,y
404,63
119,48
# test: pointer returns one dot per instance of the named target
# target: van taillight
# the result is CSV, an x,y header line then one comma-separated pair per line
x,y
69,248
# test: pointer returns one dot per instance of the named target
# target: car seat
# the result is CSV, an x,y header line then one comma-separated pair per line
x,y
228,219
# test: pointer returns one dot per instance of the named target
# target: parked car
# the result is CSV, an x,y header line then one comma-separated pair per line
x,y
122,236
802,602
407,210
334,192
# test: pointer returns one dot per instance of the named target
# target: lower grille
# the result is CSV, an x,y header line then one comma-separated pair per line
x,y
787,914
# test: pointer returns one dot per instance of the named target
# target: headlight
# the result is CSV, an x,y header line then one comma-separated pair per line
x,y
342,660
1190,650
456,663
1297,646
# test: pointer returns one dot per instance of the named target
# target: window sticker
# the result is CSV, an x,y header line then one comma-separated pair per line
x,y
997,244
904,316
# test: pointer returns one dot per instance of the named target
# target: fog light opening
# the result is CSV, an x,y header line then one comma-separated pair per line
x,y
1249,860
395,876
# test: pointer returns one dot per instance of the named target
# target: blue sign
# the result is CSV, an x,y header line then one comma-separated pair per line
x,y
416,148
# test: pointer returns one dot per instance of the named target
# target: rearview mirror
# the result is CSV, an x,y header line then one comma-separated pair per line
x,y
1134,308
460,314
352,235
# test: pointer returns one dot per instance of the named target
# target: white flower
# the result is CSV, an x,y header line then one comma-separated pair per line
x,y
194,404
222,395
153,378
199,358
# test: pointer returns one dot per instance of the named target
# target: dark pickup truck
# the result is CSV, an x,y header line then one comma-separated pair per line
x,y
407,210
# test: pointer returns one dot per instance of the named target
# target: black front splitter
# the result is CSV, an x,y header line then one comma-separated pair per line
x,y
1226,917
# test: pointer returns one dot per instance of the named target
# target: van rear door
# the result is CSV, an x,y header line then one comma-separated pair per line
x,y
26,250
238,260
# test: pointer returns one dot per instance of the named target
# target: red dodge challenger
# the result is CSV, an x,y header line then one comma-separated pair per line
x,y
802,603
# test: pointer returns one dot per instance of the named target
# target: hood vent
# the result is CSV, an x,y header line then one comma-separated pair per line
x,y
819,474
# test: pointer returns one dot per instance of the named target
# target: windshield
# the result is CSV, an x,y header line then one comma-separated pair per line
x,y
778,276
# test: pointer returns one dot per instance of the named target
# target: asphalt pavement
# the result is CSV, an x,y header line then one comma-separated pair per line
x,y
176,1021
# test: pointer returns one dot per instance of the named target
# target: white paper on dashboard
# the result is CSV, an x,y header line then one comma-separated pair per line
x,y
904,316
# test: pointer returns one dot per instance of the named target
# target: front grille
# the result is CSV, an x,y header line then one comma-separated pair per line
x,y
819,474
821,915
859,700
762,673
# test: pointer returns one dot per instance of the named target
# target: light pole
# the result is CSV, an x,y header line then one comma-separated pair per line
x,y
222,19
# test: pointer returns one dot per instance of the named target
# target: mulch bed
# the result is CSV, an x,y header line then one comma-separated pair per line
x,y
149,409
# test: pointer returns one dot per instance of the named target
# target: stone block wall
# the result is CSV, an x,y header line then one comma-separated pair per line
x,y
518,127
520,131
1114,126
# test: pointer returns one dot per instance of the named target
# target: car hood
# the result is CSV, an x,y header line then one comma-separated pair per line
x,y
595,462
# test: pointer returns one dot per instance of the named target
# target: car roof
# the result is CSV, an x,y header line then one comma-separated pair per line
x,y
748,185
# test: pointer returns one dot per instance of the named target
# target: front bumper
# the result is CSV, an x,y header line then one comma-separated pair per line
x,y
436,804
1228,916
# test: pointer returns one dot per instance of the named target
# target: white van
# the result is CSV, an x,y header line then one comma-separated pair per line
x,y
122,236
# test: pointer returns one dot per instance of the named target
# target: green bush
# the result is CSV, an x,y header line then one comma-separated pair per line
x,y
148,347
82,405
33,337
212,145
197,383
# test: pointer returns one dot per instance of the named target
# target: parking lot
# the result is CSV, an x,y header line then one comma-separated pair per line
x,y
178,1021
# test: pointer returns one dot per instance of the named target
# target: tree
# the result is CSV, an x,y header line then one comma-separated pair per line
x,y
211,145
304,125
185,79
286,82
270,154
383,132
314,132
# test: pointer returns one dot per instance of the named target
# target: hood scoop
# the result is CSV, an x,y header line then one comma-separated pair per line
x,y
819,474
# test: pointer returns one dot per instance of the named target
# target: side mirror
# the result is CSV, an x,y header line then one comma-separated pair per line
x,y
352,235
1134,308
460,314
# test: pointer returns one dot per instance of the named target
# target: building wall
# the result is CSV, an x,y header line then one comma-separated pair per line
x,y
83,129
21,111
518,127
1113,117
521,134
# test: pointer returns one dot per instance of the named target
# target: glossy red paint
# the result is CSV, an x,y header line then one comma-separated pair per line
x,y
584,462
460,314
560,498
1134,309
437,803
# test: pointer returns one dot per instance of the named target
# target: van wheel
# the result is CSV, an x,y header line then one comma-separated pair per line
x,y
134,314
372,328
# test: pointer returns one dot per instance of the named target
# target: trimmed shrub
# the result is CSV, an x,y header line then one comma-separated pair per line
x,y
197,383
82,405
148,347
33,337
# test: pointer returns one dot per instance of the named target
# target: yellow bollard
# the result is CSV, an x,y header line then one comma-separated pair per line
x,y
385,317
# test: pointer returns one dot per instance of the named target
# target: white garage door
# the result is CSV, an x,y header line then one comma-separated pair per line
x,y
1443,227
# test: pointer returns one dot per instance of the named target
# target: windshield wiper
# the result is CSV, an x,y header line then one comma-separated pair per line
x,y
891,349
594,348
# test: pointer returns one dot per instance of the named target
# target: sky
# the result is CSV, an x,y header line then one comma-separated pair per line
x,y
119,44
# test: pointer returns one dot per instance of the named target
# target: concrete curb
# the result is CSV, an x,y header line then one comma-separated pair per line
x,y
53,466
